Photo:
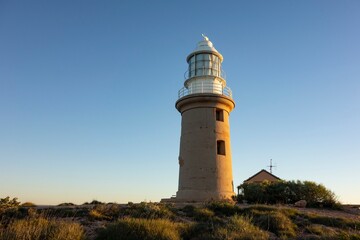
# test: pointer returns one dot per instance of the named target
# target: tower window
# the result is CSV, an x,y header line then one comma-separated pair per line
x,y
219,115
220,147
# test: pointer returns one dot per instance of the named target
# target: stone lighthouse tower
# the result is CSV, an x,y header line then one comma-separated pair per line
x,y
205,103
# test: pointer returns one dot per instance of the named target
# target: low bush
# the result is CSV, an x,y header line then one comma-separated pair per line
x,y
274,221
94,214
240,227
66,204
95,202
290,212
235,227
288,192
8,205
203,214
318,231
341,223
189,210
346,235
42,229
105,212
224,208
321,231
148,210
265,208
28,204
139,228
9,209
64,212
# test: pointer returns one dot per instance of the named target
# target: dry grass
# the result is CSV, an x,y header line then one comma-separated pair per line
x,y
211,221
42,229
273,219
239,227
276,222
148,210
139,228
322,231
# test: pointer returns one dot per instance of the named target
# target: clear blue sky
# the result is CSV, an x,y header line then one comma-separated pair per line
x,y
87,94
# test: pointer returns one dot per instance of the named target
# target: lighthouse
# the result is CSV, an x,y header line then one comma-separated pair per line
x,y
205,103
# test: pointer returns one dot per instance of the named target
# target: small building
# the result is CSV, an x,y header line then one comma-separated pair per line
x,y
261,176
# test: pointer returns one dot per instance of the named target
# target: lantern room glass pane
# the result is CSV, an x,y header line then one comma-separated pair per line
x,y
204,64
208,57
199,71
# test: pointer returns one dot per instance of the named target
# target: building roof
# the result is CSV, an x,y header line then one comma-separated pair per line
x,y
205,46
263,170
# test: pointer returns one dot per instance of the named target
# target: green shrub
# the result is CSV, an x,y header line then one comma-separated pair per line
x,y
28,204
203,214
7,204
262,208
341,223
97,215
42,229
235,227
138,228
66,204
95,202
290,212
288,192
105,212
148,210
276,222
223,208
64,212
346,235
9,209
322,231
240,227
189,210
317,195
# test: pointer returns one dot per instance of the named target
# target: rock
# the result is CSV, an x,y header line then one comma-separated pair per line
x,y
301,204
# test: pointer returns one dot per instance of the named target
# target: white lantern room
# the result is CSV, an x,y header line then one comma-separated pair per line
x,y
205,74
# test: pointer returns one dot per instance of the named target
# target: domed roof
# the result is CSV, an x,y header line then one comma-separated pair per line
x,y
205,46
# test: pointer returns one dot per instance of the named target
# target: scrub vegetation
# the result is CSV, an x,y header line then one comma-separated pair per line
x,y
288,192
210,221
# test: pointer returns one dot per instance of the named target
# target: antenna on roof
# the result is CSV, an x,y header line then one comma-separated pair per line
x,y
205,37
271,166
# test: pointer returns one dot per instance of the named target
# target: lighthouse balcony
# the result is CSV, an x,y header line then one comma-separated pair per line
x,y
205,87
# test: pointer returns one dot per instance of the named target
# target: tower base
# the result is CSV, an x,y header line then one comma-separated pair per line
x,y
203,196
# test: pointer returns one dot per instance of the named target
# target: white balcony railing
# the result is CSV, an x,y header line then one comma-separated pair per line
x,y
202,87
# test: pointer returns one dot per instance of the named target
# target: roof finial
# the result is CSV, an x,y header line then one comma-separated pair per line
x,y
205,37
